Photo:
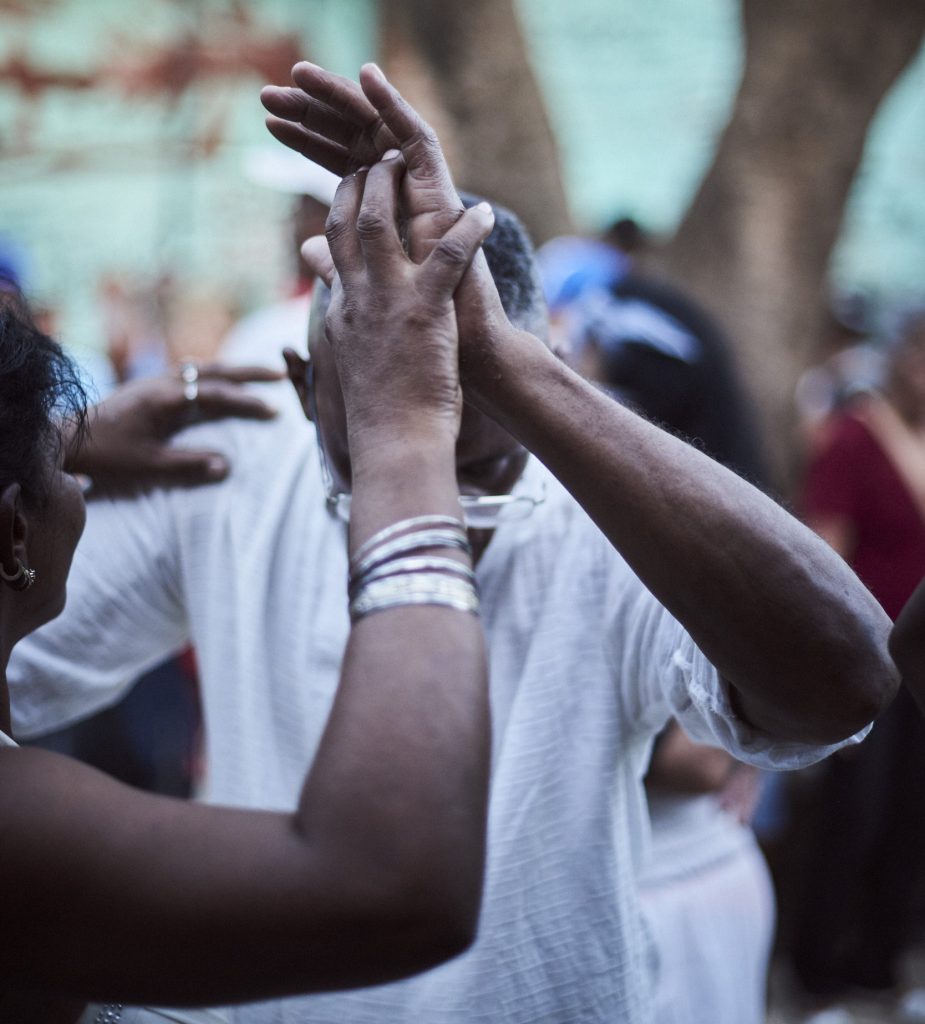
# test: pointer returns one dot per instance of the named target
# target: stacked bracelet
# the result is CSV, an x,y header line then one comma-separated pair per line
x,y
383,576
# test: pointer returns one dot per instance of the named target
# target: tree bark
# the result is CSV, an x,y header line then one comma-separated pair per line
x,y
470,55
756,242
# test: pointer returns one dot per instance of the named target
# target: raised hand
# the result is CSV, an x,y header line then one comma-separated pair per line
x,y
127,441
339,124
343,126
391,321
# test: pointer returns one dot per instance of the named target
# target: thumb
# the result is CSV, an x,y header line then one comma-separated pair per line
x,y
317,256
444,267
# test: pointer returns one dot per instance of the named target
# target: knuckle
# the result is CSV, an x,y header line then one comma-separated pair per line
x,y
369,224
453,251
335,226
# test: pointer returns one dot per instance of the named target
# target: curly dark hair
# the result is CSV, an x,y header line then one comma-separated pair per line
x,y
42,401
514,267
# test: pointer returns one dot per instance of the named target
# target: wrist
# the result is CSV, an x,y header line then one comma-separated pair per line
x,y
507,368
402,477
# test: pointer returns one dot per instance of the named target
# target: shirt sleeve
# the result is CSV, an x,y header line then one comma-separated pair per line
x,y
124,615
665,675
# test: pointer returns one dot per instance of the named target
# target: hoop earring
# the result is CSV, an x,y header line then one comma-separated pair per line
x,y
22,579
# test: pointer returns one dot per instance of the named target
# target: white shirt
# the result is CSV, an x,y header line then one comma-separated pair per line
x,y
585,666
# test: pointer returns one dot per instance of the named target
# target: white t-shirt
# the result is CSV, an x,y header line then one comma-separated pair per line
x,y
585,667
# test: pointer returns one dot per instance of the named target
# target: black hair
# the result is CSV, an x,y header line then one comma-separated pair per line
x,y
514,267
40,387
701,400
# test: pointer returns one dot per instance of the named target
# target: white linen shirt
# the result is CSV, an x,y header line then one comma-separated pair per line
x,y
585,666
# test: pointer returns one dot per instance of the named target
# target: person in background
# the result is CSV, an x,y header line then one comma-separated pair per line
x,y
864,493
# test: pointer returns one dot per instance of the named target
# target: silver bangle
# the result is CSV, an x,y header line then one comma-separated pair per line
x,y
423,588
415,522
403,566
111,1013
416,541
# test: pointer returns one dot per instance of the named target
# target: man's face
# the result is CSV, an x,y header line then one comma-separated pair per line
x,y
488,460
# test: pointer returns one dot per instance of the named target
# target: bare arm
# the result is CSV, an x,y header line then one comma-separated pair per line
x,y
109,893
798,638
781,616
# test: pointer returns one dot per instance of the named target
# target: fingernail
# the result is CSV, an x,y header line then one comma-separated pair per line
x,y
216,468
486,208
390,154
375,67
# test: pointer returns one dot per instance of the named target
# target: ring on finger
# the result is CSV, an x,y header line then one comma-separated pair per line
x,y
189,374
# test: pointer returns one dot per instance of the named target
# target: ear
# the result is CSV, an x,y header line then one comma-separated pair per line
x,y
13,528
297,371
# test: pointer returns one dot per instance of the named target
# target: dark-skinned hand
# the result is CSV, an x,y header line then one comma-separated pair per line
x,y
127,441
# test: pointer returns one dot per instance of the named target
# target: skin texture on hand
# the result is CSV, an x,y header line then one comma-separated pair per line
x,y
391,321
341,125
127,443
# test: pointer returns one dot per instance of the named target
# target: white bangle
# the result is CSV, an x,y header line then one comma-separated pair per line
x,y
415,522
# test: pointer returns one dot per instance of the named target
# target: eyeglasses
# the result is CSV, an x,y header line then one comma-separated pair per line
x,y
480,511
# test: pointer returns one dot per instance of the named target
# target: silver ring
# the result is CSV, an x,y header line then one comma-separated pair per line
x,y
189,374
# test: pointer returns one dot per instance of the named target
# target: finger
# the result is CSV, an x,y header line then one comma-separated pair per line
x,y
414,137
296,106
377,221
340,227
317,256
346,99
218,399
239,374
187,466
444,267
327,154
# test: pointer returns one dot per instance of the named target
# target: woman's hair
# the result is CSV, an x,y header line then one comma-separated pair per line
x,y
40,389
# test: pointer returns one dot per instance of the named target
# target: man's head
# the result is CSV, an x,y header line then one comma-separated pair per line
x,y
489,460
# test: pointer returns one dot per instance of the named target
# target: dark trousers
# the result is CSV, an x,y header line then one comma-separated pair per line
x,y
860,900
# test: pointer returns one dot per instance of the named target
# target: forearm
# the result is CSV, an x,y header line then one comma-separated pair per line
x,y
783,619
397,797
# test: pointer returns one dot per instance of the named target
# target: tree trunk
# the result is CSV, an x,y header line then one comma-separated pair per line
x,y
471,57
756,242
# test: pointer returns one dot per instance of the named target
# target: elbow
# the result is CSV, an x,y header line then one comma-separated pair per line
x,y
858,695
445,908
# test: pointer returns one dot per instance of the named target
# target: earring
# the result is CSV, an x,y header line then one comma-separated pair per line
x,y
22,579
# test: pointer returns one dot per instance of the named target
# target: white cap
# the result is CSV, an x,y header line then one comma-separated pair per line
x,y
284,170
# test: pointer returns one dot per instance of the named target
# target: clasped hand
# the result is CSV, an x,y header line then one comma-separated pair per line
x,y
391,321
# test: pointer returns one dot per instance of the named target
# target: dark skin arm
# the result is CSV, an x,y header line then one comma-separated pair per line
x,y
799,640
111,894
